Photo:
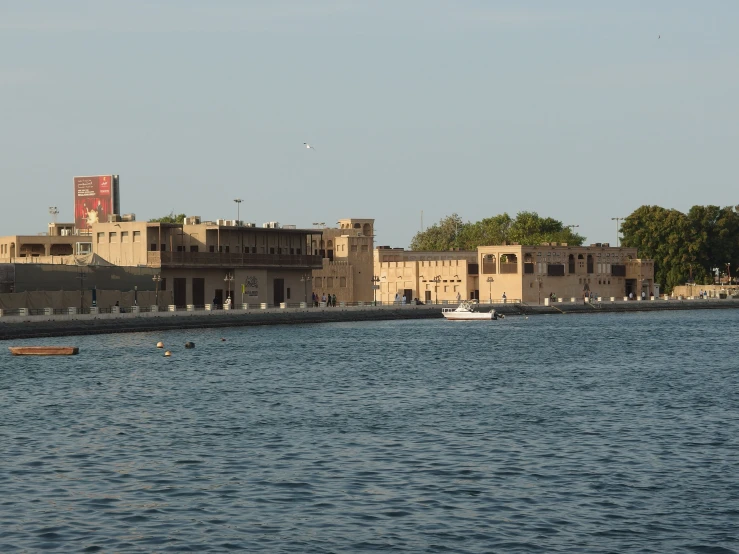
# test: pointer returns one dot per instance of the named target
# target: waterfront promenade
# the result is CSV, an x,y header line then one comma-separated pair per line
x,y
36,326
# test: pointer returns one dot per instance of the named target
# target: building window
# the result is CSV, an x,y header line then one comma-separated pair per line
x,y
101,237
354,247
253,249
318,281
137,236
114,237
365,248
211,248
342,282
193,248
288,293
329,282
124,236
271,250
163,284
227,248
297,251
180,248
153,247
163,247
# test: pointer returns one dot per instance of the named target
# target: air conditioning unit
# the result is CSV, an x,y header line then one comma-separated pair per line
x,y
250,224
271,225
128,217
230,223
220,222
192,220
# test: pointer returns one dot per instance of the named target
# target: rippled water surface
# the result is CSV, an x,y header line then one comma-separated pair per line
x,y
593,433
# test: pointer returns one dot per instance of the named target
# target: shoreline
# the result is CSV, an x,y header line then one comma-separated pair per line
x,y
27,327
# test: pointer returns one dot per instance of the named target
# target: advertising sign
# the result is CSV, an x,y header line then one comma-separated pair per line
x,y
95,198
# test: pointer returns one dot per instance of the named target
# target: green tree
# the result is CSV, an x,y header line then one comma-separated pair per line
x,y
171,218
684,246
527,228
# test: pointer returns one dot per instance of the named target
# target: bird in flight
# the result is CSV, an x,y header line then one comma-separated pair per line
x,y
308,146
659,36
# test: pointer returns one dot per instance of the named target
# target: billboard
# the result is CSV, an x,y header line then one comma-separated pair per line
x,y
95,198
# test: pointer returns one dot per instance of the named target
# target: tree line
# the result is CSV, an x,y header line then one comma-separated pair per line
x,y
527,228
685,247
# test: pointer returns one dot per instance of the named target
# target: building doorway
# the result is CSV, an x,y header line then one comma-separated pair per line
x,y
180,292
427,296
408,295
198,291
279,291
218,297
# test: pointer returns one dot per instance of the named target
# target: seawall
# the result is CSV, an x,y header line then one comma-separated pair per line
x,y
21,327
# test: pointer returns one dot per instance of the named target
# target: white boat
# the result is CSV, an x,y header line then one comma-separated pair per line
x,y
465,311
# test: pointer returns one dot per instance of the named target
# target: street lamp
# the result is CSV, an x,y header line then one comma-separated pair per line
x,y
436,280
728,271
238,211
228,279
617,219
490,288
304,279
156,278
375,286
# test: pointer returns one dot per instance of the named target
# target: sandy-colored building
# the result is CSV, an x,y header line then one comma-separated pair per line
x,y
57,246
347,256
426,276
533,273
514,272
208,262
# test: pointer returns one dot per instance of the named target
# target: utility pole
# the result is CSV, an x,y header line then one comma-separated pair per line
x,y
618,227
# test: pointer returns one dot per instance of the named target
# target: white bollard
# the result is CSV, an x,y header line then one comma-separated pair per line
x,y
172,308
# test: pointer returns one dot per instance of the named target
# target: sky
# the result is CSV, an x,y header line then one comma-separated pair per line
x,y
417,109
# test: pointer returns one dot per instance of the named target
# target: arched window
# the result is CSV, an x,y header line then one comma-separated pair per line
x,y
590,263
571,263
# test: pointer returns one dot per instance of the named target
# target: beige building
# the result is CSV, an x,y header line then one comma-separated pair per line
x,y
514,272
58,246
533,273
426,276
206,262
347,255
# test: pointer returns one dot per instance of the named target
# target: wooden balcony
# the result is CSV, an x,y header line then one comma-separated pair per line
x,y
229,260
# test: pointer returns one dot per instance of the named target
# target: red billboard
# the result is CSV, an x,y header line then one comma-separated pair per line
x,y
95,198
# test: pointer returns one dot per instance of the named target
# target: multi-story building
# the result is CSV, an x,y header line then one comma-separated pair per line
x,y
424,275
346,253
57,246
207,262
514,272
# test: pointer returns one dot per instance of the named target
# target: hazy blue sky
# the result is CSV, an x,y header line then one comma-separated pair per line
x,y
573,109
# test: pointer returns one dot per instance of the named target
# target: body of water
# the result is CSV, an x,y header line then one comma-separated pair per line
x,y
592,433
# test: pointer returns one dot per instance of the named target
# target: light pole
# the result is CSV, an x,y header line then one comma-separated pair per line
x,y
617,219
228,279
54,212
238,211
156,278
436,280
490,288
375,286
572,226
304,279
728,271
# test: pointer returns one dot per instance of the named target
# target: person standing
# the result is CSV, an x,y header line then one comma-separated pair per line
x,y
333,300
504,297
323,299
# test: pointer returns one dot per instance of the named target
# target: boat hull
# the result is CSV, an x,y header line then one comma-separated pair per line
x,y
460,316
44,350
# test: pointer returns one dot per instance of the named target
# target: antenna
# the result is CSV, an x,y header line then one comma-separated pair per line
x,y
53,211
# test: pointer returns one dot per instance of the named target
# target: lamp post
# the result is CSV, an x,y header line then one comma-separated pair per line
x,y
436,280
156,278
728,271
238,211
617,219
228,279
304,279
490,288
375,286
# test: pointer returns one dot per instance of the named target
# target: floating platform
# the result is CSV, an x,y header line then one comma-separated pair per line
x,y
44,350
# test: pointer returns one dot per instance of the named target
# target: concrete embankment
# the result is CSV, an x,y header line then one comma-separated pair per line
x,y
19,327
